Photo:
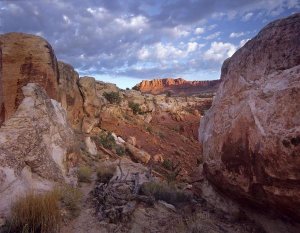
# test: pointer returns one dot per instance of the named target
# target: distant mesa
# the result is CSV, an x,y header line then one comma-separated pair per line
x,y
177,86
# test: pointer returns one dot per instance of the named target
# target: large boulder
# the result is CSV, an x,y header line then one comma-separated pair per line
x,y
69,94
37,147
251,134
25,58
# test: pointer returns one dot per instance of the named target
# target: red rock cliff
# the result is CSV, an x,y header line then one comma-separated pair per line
x,y
25,58
176,86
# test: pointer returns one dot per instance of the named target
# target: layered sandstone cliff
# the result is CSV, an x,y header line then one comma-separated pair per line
x,y
69,94
251,135
177,86
24,58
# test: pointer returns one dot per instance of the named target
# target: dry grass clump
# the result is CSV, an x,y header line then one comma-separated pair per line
x,y
164,192
70,198
35,213
105,173
84,174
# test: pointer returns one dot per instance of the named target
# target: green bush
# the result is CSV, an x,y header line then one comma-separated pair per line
x,y
136,109
70,198
84,174
107,141
164,192
113,97
105,173
167,164
120,150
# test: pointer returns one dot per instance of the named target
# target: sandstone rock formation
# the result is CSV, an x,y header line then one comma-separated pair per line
x,y
37,147
91,103
137,154
69,94
177,86
251,135
25,58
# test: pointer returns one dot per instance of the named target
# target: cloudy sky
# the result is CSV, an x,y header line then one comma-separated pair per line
x,y
125,41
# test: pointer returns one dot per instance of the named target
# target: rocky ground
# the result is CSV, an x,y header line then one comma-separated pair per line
x,y
123,210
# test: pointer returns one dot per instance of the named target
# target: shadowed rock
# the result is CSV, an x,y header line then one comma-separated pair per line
x,y
251,134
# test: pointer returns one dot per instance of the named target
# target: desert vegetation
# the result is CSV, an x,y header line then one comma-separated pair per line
x,y
35,213
113,97
135,107
84,174
165,192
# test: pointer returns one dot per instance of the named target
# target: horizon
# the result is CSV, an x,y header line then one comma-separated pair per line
x,y
125,43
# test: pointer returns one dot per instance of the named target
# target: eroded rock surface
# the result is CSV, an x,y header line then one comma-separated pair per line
x,y
251,135
69,94
37,147
177,86
25,58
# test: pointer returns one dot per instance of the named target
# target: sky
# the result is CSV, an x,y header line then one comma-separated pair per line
x,y
126,41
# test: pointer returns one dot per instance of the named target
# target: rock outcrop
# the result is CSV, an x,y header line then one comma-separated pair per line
x,y
177,86
69,94
251,135
25,58
37,147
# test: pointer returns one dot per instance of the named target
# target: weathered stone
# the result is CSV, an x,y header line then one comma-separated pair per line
x,y
251,135
69,94
177,86
25,59
137,154
131,140
35,144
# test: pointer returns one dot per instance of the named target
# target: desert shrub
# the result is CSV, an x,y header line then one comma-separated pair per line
x,y
35,213
173,168
120,150
167,164
135,107
161,135
84,174
112,97
70,198
168,93
149,129
164,192
107,141
105,173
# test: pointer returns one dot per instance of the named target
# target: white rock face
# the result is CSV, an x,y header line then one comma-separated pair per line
x,y
37,147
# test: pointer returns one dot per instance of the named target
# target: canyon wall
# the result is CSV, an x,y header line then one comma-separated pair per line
x,y
177,86
25,58
251,134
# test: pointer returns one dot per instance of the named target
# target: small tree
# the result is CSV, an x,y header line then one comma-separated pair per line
x,y
169,93
112,97
136,109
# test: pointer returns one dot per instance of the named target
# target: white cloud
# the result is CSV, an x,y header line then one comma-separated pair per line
x,y
212,36
211,27
143,53
136,22
199,30
66,19
248,16
236,34
243,42
219,51
192,46
180,31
